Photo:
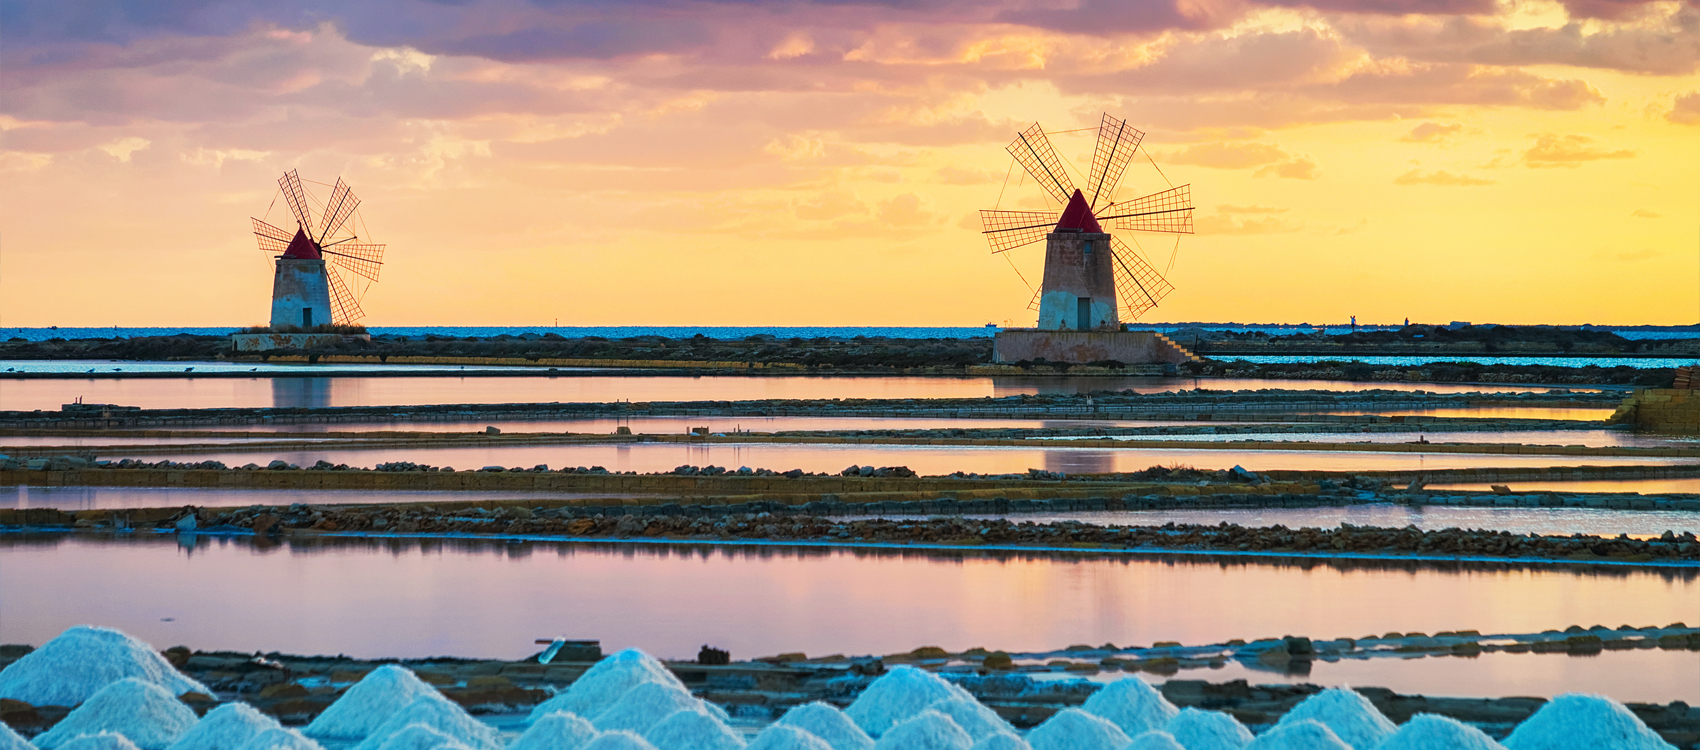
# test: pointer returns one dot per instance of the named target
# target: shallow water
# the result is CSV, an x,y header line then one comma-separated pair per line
x,y
119,438
1680,485
1591,438
681,425
263,392
647,458
110,498
1587,414
390,597
1396,361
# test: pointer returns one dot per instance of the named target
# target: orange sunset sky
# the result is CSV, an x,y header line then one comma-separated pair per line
x,y
727,162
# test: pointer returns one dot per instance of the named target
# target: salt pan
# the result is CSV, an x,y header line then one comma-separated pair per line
x,y
779,737
1350,715
420,737
1431,732
1156,739
441,714
73,667
693,730
557,731
928,730
1131,704
142,711
1002,742
1074,729
100,741
825,721
973,716
644,706
603,684
10,740
1308,734
1208,730
895,696
279,738
368,704
618,741
227,727
1575,721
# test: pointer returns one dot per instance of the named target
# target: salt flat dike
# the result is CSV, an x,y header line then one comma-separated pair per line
x,y
94,687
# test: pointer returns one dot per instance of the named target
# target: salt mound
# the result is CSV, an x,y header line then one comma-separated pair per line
x,y
618,741
98,741
693,730
1431,732
1576,720
557,731
973,716
1074,729
420,737
1002,742
142,711
603,684
279,738
1156,739
439,713
778,737
825,721
1131,704
928,730
1308,734
10,740
369,703
897,695
644,706
227,727
73,667
1350,715
1208,730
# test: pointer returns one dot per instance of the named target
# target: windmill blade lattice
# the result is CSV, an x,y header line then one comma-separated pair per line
x,y
1139,287
345,309
296,196
337,210
362,258
1169,211
1007,230
272,239
1116,143
1033,150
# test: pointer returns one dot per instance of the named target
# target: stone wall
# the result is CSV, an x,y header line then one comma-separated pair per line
x,y
1080,347
263,342
1661,410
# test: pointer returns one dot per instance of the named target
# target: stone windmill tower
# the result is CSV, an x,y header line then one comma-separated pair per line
x,y
308,290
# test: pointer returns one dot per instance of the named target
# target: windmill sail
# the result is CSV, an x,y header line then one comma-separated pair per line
x,y
1007,230
296,196
272,239
361,258
1139,287
1169,211
345,310
1116,143
337,210
1033,150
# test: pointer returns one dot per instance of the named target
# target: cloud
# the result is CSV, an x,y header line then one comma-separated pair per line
x,y
1440,177
1432,132
1552,150
1228,155
1230,220
1686,109
1257,210
907,210
1297,169
969,176
1661,45
1642,213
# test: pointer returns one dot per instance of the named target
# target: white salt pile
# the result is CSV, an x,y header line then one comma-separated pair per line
x,y
10,740
1431,732
779,737
825,721
142,711
1156,739
100,741
420,737
1574,721
895,696
644,706
368,704
603,684
1002,742
1074,729
693,730
1131,704
441,714
73,667
1350,715
1196,729
279,738
618,741
227,727
1308,734
557,731
928,730
973,716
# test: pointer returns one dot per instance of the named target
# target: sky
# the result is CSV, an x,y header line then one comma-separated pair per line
x,y
822,162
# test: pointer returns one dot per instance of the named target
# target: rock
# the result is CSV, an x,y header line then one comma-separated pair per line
x,y
186,523
492,430
284,690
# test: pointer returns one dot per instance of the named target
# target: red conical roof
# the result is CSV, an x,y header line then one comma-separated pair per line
x,y
1078,216
302,248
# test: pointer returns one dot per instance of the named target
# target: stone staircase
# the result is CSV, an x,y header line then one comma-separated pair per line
x,y
1190,357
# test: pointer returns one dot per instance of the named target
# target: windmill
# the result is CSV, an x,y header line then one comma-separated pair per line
x,y
306,290
1088,271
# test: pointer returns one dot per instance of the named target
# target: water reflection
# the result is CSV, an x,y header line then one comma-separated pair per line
x,y
308,393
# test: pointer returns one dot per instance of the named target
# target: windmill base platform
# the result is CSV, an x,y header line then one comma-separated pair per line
x,y
1013,345
265,342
